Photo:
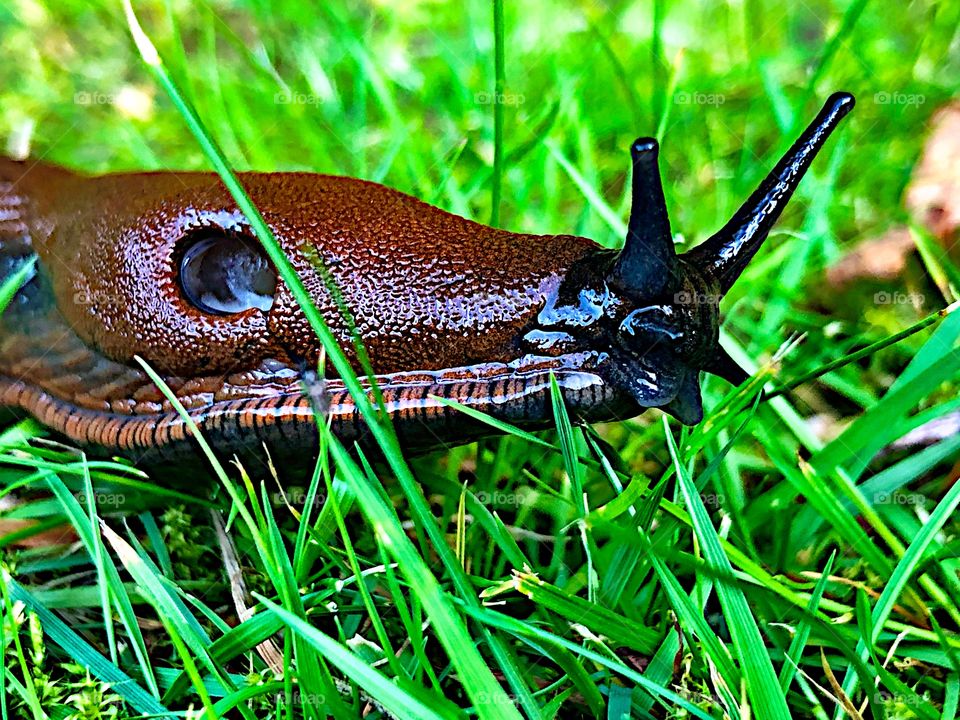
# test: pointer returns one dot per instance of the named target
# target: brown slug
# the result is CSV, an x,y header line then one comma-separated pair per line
x,y
162,265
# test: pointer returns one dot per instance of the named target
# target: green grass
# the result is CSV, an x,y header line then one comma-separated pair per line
x,y
754,563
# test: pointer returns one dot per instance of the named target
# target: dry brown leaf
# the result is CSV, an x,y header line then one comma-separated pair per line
x,y
933,195
933,199
268,650
840,697
52,537
882,258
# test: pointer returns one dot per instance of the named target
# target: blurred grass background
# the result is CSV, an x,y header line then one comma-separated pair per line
x,y
403,93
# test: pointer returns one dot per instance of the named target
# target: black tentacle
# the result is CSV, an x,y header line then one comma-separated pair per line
x,y
645,265
727,253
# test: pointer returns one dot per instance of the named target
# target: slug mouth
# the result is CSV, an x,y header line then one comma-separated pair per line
x,y
659,379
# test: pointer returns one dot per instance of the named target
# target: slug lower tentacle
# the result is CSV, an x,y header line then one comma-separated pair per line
x,y
164,266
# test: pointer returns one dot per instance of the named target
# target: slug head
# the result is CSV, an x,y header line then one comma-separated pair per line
x,y
656,314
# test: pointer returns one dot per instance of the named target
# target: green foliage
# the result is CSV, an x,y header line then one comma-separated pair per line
x,y
186,543
63,690
780,556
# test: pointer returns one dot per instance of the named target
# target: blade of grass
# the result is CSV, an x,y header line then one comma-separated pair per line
x,y
903,572
762,686
78,518
499,86
404,701
98,564
597,618
667,698
15,281
871,349
312,669
450,630
802,634
173,614
692,618
26,691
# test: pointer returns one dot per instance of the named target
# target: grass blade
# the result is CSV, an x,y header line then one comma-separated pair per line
x,y
763,688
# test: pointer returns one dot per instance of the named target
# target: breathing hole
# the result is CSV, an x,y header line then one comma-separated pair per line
x,y
227,274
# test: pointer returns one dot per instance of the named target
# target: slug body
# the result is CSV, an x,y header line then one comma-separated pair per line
x,y
165,267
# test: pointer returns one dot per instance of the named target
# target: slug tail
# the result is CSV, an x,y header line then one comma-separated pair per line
x,y
727,253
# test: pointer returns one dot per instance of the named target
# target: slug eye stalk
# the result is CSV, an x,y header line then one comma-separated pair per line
x,y
648,261
727,252
647,265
